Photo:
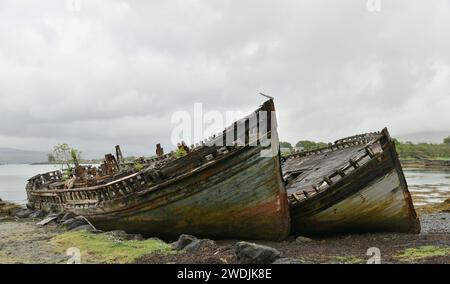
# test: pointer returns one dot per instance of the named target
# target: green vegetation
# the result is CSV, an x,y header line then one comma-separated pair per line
x,y
138,166
305,145
406,150
102,248
432,208
410,151
68,157
6,207
180,152
310,145
447,140
75,156
64,155
51,158
422,252
284,144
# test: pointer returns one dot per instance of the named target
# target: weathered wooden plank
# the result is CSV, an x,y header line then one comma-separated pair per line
x,y
211,192
368,195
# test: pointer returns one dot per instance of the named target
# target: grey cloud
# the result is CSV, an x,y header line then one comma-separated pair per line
x,y
117,70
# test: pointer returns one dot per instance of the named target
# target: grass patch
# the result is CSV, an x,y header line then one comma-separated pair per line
x,y
443,158
432,208
422,252
101,248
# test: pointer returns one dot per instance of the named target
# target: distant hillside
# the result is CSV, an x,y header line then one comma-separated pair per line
x,y
15,156
423,137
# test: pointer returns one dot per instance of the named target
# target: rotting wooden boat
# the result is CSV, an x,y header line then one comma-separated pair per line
x,y
354,185
215,191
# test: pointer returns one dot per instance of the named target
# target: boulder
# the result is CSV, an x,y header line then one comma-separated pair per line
x,y
87,228
251,253
30,206
37,214
74,222
67,216
183,241
302,239
137,237
67,222
20,212
198,244
122,235
118,234
156,239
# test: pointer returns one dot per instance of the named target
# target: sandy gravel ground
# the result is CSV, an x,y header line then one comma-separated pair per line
x,y
22,241
427,247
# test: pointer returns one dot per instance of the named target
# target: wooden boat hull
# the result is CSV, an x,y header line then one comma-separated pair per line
x,y
373,198
232,192
236,199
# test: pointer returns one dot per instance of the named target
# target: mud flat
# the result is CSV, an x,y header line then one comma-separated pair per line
x,y
426,164
23,241
432,246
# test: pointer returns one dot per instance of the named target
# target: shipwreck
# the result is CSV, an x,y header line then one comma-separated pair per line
x,y
236,185
223,188
353,185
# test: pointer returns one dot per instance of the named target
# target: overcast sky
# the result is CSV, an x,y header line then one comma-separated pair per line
x,y
115,71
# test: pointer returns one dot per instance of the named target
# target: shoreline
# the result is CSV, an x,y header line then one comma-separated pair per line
x,y
22,240
426,164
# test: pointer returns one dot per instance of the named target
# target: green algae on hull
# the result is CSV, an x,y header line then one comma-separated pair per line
x,y
102,248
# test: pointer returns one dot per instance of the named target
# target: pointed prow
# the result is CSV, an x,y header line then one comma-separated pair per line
x,y
267,96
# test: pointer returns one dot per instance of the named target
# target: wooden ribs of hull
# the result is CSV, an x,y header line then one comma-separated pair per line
x,y
243,198
374,198
230,190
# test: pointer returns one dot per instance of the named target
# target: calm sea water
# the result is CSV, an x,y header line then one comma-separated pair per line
x,y
426,186
13,179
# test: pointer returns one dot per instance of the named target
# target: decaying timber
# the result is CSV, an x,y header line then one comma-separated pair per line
x,y
214,191
353,185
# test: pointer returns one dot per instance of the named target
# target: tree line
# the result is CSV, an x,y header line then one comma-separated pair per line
x,y
65,155
420,151
405,150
